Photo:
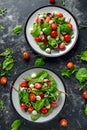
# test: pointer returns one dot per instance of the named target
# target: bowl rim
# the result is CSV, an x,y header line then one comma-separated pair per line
x,y
13,88
51,56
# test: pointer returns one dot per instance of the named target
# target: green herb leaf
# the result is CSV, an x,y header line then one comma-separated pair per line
x,y
17,29
40,61
35,117
68,73
3,11
85,111
2,106
83,55
1,27
6,52
16,124
63,2
36,30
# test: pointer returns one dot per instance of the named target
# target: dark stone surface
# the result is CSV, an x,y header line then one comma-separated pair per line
x,y
18,12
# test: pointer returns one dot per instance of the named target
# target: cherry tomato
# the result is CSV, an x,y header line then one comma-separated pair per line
x,y
30,109
32,97
67,38
70,26
62,46
53,104
38,85
60,15
48,19
44,110
3,80
52,1
54,26
26,55
63,122
41,95
84,94
53,34
70,65
23,106
38,39
42,37
24,84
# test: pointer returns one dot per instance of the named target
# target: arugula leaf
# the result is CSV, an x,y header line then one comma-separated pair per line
x,y
16,124
65,28
1,27
17,29
2,106
6,52
52,42
39,61
85,111
68,73
42,45
83,55
3,11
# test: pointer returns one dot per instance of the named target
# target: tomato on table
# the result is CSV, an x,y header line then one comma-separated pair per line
x,y
70,65
23,106
32,97
67,38
44,110
3,80
52,1
30,109
26,55
63,122
24,84
84,94
38,85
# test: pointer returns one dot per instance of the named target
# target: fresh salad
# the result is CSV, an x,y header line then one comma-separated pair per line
x,y
38,94
52,31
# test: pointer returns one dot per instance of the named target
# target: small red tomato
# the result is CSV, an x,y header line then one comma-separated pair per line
x,y
26,55
32,97
30,109
84,94
23,106
54,26
44,110
38,85
52,1
53,104
3,80
62,46
70,26
67,38
38,39
24,84
41,95
70,65
60,15
53,34
63,122
48,19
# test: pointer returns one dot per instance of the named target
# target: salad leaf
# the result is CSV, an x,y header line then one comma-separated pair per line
x,y
83,55
42,45
6,52
39,61
1,27
23,96
3,11
85,111
68,73
2,106
52,42
35,117
65,28
63,2
16,124
17,29
36,30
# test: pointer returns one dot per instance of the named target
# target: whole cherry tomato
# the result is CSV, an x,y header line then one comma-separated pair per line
x,y
30,109
84,94
63,122
23,106
60,15
70,26
67,38
38,39
38,85
3,80
32,97
44,110
54,26
24,84
26,55
52,1
70,65
53,34
62,46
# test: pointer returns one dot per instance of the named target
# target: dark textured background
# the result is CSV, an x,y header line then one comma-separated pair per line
x,y
17,13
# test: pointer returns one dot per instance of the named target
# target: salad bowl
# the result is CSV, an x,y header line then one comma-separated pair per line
x,y
15,98
53,47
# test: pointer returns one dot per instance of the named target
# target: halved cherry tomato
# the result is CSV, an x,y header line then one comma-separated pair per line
x,y
84,94
53,104
41,95
24,84
38,39
67,38
26,55
44,110
70,65
63,122
38,85
30,109
54,26
23,106
3,80
32,97
60,15
53,34
62,46
48,19
42,37
70,26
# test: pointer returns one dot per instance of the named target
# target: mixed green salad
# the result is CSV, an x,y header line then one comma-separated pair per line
x,y
52,31
38,94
